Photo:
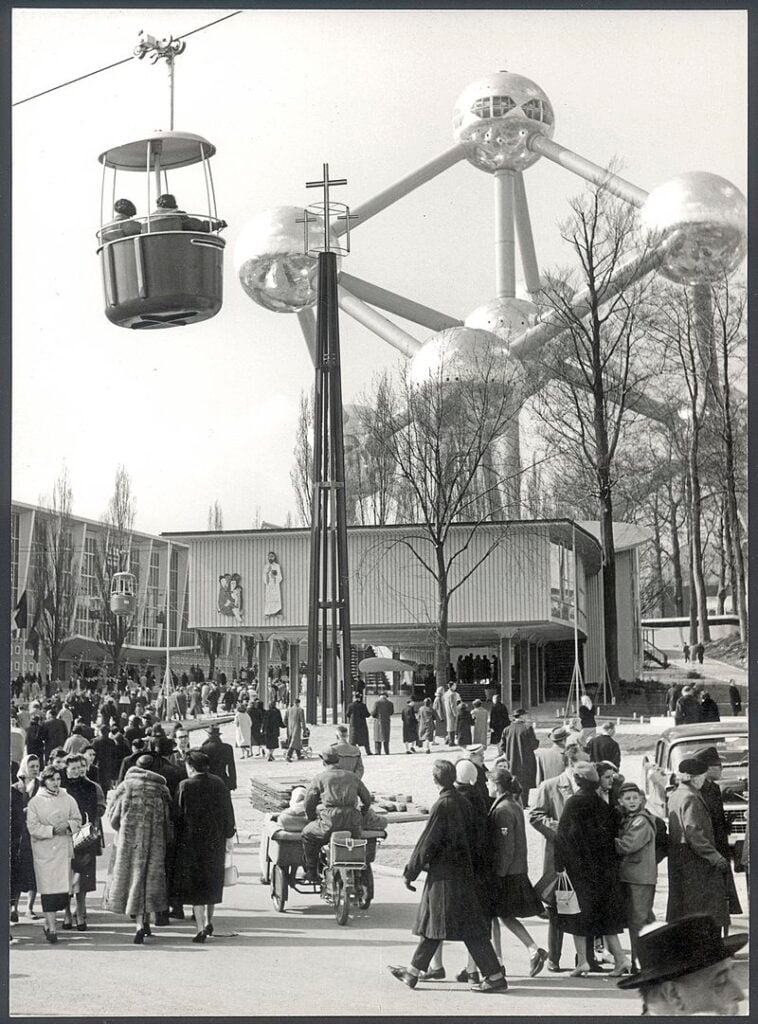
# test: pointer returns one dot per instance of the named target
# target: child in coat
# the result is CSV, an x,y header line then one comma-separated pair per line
x,y
635,845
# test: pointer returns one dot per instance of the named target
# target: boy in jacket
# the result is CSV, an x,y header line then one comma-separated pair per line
x,y
639,869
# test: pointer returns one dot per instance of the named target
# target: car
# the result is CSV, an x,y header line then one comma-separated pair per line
x,y
730,738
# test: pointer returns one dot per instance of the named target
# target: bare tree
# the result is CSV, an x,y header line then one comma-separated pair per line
x,y
215,516
55,572
438,436
113,553
597,363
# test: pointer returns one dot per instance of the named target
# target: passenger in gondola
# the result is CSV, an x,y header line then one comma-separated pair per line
x,y
123,225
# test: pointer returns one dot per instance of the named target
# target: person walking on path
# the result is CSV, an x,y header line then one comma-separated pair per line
x,y
141,815
255,711
463,727
709,709
700,652
735,699
382,713
220,757
450,704
52,818
686,653
711,794
604,747
439,709
499,719
480,717
295,728
687,710
272,725
242,729
512,894
77,785
357,715
519,744
587,719
697,871
585,849
204,821
552,760
427,724
449,908
410,727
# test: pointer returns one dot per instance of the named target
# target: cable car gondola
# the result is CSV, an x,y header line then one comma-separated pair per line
x,y
124,593
163,269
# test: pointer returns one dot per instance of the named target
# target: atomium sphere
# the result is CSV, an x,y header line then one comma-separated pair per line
x,y
459,355
271,263
708,215
507,318
494,118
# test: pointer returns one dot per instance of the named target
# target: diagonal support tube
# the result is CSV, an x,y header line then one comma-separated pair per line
x,y
401,188
535,338
307,320
398,304
378,324
587,169
525,236
634,399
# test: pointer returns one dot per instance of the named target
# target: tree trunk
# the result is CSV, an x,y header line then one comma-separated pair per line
x,y
610,618
441,645
697,542
660,586
723,559
676,555
211,664
739,596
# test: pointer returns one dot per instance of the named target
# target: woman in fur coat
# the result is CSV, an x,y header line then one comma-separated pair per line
x,y
141,814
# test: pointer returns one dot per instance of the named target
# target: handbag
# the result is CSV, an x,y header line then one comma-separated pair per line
x,y
86,840
566,900
231,874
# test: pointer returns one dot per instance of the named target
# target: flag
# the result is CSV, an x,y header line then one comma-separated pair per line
x,y
21,616
32,643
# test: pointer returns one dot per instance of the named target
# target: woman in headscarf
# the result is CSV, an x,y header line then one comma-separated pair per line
x,y
52,818
587,719
585,848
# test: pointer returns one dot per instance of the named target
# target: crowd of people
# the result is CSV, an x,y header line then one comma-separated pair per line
x,y
691,703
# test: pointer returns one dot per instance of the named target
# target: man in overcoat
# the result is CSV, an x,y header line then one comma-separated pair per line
x,y
450,705
357,715
604,747
552,760
499,719
383,711
697,871
295,728
519,744
711,793
449,907
221,757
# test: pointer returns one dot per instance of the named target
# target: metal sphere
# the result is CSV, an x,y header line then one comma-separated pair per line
x,y
494,118
506,318
271,263
464,354
708,215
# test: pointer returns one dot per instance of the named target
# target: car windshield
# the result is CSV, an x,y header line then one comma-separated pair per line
x,y
732,750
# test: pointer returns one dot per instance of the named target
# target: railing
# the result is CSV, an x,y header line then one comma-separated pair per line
x,y
653,653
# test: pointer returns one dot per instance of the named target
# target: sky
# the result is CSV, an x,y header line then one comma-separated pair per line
x,y
208,412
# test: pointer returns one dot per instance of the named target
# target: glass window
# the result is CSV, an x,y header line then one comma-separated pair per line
x,y
482,107
561,582
15,531
731,749
501,105
150,626
538,110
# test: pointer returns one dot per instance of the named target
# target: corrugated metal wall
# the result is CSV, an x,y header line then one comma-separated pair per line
x,y
594,650
388,584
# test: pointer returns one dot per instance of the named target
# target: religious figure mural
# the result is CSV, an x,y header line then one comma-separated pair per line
x,y
272,586
230,596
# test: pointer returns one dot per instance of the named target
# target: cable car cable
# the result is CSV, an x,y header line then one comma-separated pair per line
x,y
116,64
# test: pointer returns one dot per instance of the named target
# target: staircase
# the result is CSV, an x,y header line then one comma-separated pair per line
x,y
652,654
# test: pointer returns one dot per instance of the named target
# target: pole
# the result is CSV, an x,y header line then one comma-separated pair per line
x,y
525,237
505,242
588,170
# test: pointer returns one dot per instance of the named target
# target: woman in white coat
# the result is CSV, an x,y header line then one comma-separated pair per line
x,y
52,818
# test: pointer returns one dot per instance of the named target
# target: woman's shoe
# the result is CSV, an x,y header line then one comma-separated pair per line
x,y
32,916
50,937
580,970
438,974
81,926
200,937
464,975
209,929
146,927
139,937
621,969
67,925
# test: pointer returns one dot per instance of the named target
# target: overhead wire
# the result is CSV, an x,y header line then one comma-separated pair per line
x,y
115,64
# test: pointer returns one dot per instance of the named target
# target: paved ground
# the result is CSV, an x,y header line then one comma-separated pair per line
x,y
261,963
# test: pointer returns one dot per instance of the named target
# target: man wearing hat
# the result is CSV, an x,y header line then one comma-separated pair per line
x,y
604,747
687,970
518,744
331,804
697,871
221,757
475,754
711,793
552,760
687,711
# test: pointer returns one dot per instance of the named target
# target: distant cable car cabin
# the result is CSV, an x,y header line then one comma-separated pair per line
x,y
123,593
164,269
